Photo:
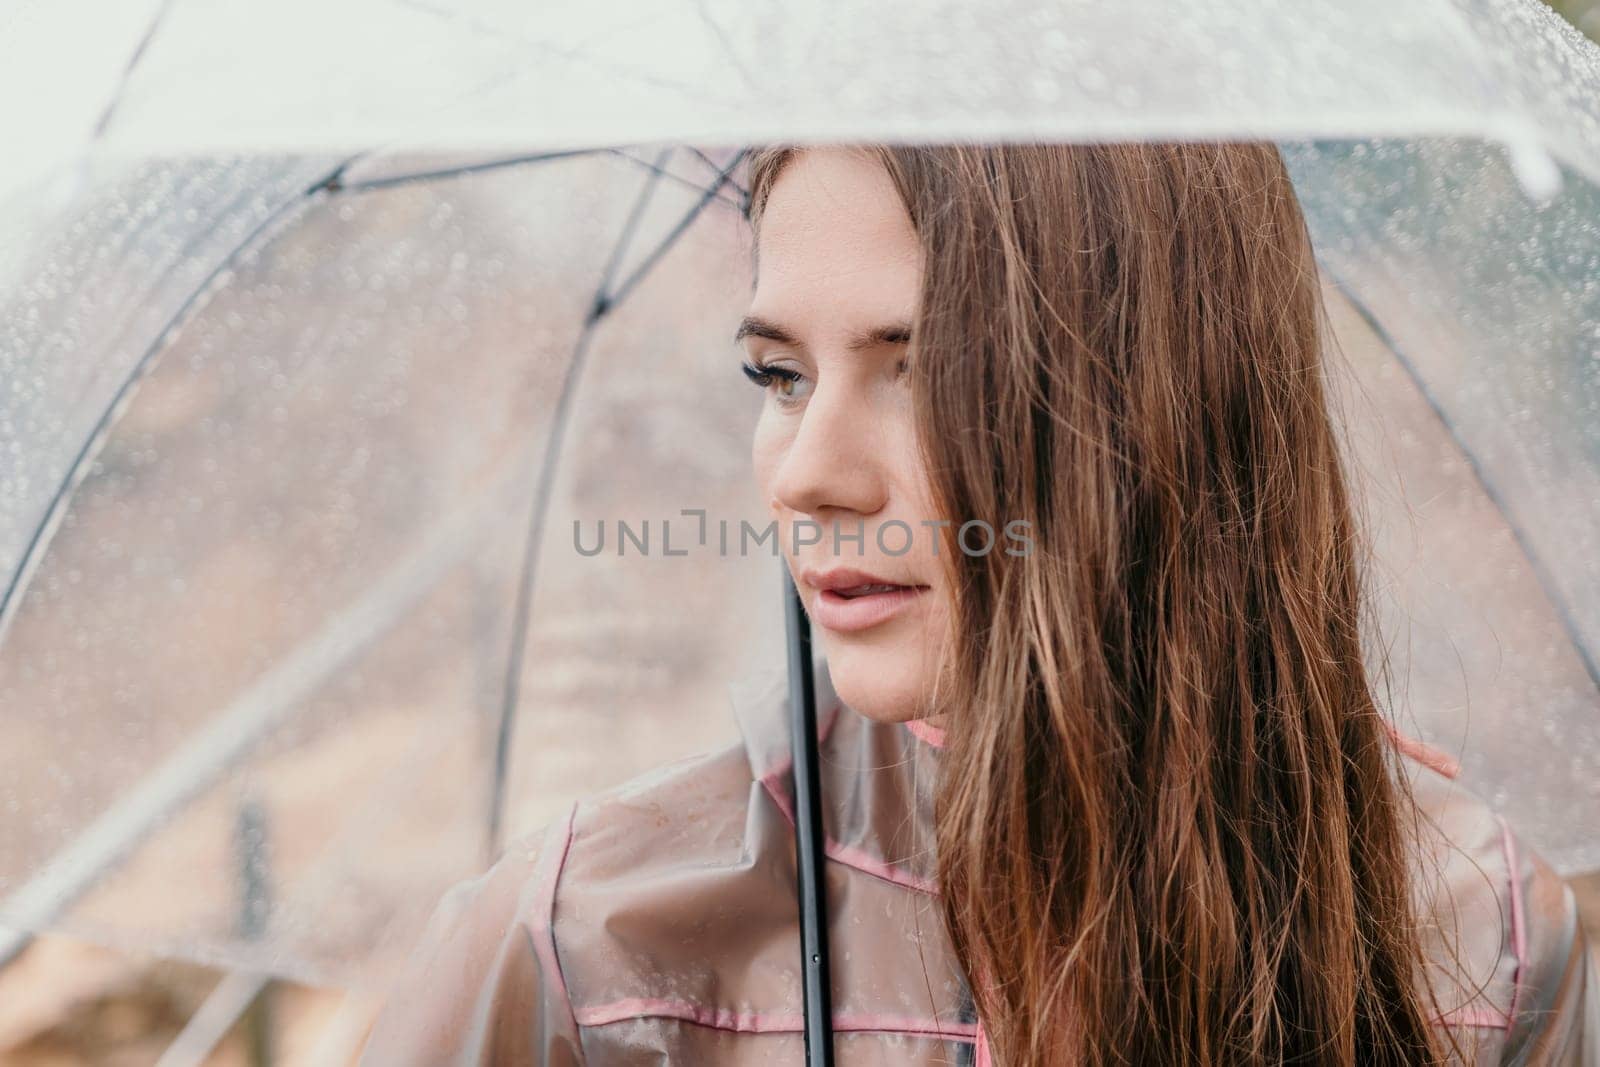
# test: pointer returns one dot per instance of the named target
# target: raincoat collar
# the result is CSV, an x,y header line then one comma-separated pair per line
x,y
878,778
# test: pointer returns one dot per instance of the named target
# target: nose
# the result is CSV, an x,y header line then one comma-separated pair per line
x,y
832,464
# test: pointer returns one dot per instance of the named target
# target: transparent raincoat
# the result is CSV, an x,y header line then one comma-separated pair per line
x,y
657,923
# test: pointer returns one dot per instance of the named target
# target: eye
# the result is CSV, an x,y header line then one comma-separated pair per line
x,y
786,385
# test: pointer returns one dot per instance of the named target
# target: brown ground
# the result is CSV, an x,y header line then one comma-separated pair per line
x,y
66,1004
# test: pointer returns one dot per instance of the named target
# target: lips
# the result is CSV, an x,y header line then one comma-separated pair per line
x,y
848,579
867,590
848,601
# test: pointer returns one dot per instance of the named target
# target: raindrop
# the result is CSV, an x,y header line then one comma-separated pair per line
x,y
1536,172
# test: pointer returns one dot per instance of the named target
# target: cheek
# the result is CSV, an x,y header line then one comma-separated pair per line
x,y
767,449
910,470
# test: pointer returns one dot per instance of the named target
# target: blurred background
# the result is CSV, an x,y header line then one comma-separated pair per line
x,y
256,682
1584,14
478,323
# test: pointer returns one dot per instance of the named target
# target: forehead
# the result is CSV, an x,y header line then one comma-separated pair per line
x,y
835,239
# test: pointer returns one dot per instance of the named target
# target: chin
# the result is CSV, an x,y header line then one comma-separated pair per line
x,y
882,684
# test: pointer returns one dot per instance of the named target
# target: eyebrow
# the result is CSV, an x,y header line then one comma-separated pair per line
x,y
894,333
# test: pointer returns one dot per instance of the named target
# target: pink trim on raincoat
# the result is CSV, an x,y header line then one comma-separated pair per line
x,y
657,923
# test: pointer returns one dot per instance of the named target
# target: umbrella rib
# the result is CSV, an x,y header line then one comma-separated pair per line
x,y
688,183
121,90
530,562
390,181
624,240
77,470
530,550
510,689
667,242
603,302
725,42
332,183
1524,545
716,168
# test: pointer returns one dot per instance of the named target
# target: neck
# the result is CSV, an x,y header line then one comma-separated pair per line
x,y
930,729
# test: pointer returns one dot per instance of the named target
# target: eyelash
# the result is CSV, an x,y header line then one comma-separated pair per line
x,y
764,374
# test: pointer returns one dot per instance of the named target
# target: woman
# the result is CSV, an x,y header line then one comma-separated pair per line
x,y
1116,760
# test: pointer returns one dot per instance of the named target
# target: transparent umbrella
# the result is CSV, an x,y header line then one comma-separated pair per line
x,y
320,330
303,505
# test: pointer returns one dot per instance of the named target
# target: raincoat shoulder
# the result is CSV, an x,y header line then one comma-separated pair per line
x,y
487,983
658,922
483,985
1511,969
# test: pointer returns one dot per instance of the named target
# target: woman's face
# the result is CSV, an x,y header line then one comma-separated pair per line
x,y
836,457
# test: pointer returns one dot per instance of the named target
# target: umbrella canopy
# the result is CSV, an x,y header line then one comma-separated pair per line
x,y
162,75
320,328
300,510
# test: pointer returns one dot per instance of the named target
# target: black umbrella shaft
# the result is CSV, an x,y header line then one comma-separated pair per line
x,y
808,832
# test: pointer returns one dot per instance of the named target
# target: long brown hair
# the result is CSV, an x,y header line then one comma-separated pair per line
x,y
1178,834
